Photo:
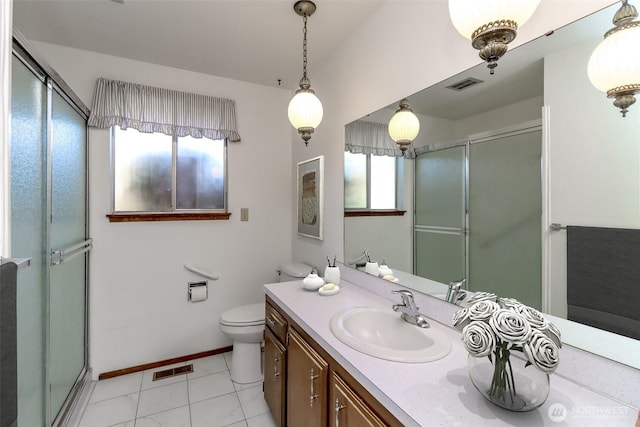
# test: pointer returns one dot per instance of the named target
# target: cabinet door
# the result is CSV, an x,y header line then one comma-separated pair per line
x,y
347,409
275,375
306,384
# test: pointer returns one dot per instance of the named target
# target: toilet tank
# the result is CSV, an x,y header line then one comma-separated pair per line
x,y
289,271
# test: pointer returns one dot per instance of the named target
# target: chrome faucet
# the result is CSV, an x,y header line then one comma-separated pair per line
x,y
454,289
410,313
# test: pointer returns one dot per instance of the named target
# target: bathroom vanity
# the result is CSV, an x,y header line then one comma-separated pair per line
x,y
313,379
304,384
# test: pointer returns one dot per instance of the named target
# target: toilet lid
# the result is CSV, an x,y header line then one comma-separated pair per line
x,y
245,315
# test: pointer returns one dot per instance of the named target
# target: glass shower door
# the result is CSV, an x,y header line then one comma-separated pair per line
x,y
68,230
48,211
28,237
439,230
505,208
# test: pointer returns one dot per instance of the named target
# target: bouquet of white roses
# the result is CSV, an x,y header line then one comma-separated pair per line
x,y
494,327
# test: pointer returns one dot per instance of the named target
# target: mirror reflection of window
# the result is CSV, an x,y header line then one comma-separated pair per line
x,y
370,181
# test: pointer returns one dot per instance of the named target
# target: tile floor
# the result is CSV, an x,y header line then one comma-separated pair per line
x,y
206,397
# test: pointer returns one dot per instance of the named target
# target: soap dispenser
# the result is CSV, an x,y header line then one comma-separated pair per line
x,y
312,282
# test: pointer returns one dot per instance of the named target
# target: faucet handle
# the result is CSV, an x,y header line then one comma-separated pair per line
x,y
407,297
402,292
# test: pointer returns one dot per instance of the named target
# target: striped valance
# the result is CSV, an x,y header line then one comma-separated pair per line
x,y
151,109
371,138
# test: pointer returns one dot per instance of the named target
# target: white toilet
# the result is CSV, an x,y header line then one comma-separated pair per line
x,y
245,326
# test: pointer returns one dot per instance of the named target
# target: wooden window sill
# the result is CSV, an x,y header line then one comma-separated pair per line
x,y
364,212
186,216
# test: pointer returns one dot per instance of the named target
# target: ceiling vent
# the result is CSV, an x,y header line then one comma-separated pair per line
x,y
465,84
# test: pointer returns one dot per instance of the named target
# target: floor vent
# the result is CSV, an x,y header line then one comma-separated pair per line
x,y
168,373
465,84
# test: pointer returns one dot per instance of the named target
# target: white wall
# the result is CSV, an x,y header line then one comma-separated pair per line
x,y
594,170
397,52
138,286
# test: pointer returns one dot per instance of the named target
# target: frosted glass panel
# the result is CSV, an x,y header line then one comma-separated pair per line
x,y
441,256
440,188
67,282
355,181
28,237
383,182
200,174
505,217
143,175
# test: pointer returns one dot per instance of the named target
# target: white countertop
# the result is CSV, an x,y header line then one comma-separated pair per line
x,y
437,393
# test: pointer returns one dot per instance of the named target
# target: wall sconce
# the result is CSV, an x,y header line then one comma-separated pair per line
x,y
305,109
490,24
404,126
614,66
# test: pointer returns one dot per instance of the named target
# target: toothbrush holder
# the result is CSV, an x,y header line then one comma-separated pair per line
x,y
332,275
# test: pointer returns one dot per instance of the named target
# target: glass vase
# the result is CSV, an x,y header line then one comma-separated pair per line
x,y
508,383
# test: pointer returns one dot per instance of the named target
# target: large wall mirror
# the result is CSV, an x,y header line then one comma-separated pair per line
x,y
499,159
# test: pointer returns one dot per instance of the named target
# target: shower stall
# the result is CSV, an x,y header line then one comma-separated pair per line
x,y
49,225
478,210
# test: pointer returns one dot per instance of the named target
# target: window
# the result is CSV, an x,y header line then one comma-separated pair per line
x,y
157,173
369,182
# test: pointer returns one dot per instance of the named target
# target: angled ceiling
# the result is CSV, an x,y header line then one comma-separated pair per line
x,y
258,41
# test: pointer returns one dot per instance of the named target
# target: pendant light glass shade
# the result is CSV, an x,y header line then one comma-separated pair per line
x,y
404,126
490,24
305,110
614,66
469,15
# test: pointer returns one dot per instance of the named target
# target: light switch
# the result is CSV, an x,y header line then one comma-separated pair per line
x,y
244,214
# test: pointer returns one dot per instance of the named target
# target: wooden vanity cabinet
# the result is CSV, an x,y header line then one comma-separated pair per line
x,y
346,408
275,364
275,376
306,384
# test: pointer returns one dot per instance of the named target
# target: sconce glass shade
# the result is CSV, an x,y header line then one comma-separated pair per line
x,y
614,66
404,126
305,111
490,24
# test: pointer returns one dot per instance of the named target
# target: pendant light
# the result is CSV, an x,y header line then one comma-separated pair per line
x,y
614,66
305,109
404,126
490,24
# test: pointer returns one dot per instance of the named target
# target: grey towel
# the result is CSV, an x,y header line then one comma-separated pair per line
x,y
8,349
603,278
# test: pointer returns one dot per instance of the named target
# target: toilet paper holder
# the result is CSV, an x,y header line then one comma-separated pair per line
x,y
198,291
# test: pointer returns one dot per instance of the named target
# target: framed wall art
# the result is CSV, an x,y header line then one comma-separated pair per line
x,y
310,197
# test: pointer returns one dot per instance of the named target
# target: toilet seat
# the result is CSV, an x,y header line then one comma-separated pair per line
x,y
246,315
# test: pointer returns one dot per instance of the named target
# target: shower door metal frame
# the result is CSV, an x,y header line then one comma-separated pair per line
x,y
517,129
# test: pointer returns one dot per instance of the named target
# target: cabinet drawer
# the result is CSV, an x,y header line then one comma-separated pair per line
x,y
276,322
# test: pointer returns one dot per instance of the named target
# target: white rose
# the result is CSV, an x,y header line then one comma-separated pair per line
x,y
510,326
542,352
482,296
511,303
554,334
478,338
535,318
482,310
461,318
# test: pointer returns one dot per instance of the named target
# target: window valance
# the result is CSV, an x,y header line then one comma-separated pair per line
x,y
371,138
150,109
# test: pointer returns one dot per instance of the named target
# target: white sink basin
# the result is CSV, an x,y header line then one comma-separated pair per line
x,y
380,332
